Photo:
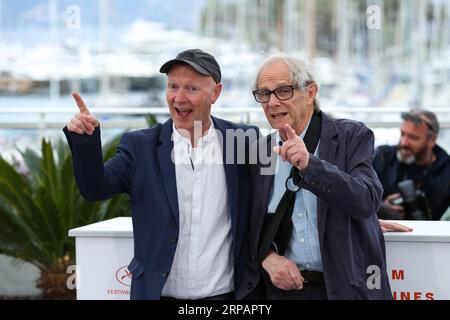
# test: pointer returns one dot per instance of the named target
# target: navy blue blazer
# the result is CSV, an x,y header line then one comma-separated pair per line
x,y
349,195
143,168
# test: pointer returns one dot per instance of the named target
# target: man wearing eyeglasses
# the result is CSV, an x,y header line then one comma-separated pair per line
x,y
314,229
419,160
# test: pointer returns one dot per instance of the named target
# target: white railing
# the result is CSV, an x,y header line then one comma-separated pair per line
x,y
56,118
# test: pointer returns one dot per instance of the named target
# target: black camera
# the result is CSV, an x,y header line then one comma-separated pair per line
x,y
413,200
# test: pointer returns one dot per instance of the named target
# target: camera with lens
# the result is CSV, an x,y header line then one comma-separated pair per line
x,y
413,200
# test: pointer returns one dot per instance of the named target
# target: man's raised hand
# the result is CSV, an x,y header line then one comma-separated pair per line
x,y
83,122
293,149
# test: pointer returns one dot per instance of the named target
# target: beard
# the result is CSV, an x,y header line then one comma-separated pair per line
x,y
408,160
412,157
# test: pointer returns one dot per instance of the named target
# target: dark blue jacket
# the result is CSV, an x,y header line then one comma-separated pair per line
x,y
143,168
435,183
349,195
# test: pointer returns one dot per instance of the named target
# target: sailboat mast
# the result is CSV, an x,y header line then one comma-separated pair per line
x,y
311,30
53,25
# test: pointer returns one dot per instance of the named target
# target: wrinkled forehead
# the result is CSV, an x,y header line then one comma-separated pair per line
x,y
276,71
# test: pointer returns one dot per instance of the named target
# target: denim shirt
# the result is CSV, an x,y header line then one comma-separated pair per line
x,y
304,247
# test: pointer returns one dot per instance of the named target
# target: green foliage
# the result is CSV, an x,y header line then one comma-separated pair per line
x,y
39,208
446,215
151,120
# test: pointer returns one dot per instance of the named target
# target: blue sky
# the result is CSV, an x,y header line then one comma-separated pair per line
x,y
27,20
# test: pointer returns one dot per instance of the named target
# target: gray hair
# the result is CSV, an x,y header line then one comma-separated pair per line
x,y
300,72
428,117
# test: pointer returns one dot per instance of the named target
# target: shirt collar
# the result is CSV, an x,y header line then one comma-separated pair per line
x,y
209,136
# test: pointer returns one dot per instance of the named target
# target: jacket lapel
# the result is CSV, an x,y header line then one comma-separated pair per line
x,y
327,152
167,167
230,171
265,177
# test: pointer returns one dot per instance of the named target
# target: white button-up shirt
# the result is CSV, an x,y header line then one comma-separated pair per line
x,y
203,265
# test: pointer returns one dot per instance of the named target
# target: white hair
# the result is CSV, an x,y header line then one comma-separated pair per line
x,y
300,72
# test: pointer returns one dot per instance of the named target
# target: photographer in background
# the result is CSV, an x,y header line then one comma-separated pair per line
x,y
415,174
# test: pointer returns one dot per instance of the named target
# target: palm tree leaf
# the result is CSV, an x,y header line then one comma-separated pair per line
x,y
117,206
13,184
32,161
50,177
37,212
15,237
68,194
109,148
12,230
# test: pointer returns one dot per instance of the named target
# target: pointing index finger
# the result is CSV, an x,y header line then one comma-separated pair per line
x,y
290,133
80,103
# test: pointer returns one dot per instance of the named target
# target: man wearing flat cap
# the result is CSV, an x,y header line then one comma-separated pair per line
x,y
189,203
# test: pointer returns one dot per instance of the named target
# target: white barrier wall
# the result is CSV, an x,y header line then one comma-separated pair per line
x,y
103,252
417,262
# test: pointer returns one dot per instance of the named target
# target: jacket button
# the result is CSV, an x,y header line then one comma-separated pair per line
x,y
173,239
164,274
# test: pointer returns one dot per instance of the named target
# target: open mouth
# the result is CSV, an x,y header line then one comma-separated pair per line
x,y
183,112
279,115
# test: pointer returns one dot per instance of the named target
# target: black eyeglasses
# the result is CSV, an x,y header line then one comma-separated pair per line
x,y
418,120
282,93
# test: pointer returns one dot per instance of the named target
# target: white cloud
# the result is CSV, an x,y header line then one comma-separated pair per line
x,y
37,14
